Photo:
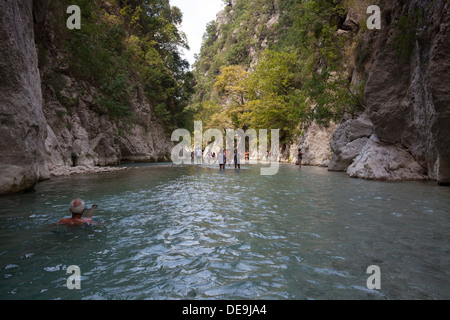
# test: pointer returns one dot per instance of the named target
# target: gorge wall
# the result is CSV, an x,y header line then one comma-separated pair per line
x,y
80,130
50,121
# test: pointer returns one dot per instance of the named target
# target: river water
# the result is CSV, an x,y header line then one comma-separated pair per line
x,y
194,232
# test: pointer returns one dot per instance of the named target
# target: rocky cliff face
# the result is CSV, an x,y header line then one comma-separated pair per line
x,y
81,135
23,125
404,132
44,130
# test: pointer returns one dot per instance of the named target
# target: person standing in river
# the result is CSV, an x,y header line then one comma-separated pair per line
x,y
77,209
299,157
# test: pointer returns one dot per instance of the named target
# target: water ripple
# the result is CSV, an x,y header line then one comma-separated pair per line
x,y
197,233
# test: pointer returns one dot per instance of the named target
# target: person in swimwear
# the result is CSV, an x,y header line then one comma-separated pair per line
x,y
77,209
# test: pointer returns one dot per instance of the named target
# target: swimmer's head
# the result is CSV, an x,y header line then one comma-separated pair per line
x,y
77,206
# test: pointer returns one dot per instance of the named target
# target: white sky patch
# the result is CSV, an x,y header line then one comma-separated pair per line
x,y
196,15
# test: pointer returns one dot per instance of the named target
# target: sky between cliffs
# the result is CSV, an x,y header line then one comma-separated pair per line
x,y
196,14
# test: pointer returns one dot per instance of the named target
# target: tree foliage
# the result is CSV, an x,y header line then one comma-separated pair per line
x,y
125,42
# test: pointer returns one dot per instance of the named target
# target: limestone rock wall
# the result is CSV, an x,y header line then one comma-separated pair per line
x,y
81,135
315,145
80,131
408,99
348,141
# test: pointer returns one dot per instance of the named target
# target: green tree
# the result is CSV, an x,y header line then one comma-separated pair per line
x,y
124,42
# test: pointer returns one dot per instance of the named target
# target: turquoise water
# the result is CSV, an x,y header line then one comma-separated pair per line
x,y
198,233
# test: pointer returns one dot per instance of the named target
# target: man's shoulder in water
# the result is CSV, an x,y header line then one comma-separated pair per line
x,y
74,222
